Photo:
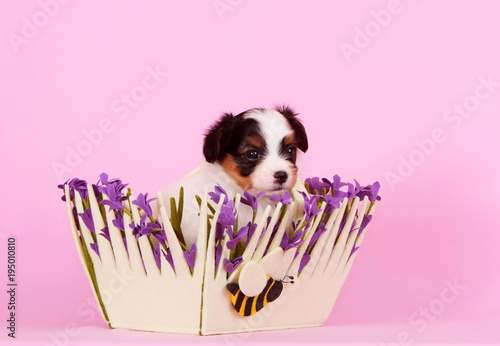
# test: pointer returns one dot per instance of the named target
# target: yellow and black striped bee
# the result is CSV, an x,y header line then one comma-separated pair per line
x,y
247,306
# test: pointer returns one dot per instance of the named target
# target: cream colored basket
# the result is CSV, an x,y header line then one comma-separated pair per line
x,y
136,286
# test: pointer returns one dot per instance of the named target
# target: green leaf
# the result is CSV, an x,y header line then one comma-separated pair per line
x,y
174,219
212,210
180,205
90,266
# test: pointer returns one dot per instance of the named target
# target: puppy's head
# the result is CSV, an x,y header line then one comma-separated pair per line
x,y
258,148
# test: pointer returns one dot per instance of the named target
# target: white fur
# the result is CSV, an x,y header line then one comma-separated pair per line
x,y
274,128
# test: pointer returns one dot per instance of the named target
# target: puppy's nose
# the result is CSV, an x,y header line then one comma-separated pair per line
x,y
281,177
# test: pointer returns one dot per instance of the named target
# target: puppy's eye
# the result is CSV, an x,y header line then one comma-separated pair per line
x,y
291,150
252,154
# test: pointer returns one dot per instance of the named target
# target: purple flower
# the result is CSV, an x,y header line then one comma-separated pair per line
x,y
332,203
87,219
310,205
235,239
296,241
168,257
80,186
161,236
304,260
251,230
335,185
147,228
227,216
375,188
366,220
104,180
136,229
218,253
75,184
75,217
286,199
219,230
319,231
118,221
317,187
142,202
125,243
156,253
287,243
219,191
71,191
97,194
370,190
231,266
351,191
95,247
113,189
353,251
190,256
250,199
105,233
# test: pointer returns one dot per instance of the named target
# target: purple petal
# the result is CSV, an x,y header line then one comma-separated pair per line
x,y
95,247
218,252
118,222
231,244
168,257
219,191
191,256
353,251
317,234
375,191
156,253
75,217
105,233
112,205
231,266
161,236
103,178
143,202
88,220
286,198
219,230
303,262
284,241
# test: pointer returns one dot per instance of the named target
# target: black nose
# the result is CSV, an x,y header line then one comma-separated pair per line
x,y
281,176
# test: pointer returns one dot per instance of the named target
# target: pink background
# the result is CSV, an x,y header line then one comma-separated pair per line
x,y
365,113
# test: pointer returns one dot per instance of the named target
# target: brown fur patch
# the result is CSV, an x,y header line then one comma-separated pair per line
x,y
231,168
290,139
256,140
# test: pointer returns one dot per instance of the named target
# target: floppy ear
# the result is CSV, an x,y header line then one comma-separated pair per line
x,y
296,125
213,139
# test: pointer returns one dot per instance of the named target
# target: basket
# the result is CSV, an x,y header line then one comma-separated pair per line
x,y
144,277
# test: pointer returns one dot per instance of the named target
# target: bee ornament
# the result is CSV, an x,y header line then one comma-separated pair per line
x,y
248,297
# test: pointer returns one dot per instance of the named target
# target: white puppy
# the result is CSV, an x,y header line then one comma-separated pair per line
x,y
255,151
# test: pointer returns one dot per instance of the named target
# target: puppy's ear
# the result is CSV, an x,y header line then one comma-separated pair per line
x,y
212,146
297,127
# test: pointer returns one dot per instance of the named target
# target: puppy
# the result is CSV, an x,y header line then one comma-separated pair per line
x,y
255,151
